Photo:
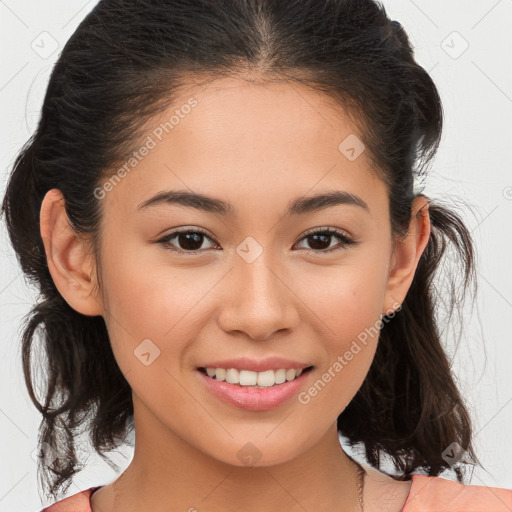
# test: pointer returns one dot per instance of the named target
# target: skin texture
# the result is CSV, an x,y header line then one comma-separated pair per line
x,y
257,147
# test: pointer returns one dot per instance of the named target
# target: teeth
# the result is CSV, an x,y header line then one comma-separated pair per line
x,y
253,379
232,376
247,378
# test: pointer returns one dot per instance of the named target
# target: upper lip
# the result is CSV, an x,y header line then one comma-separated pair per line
x,y
262,365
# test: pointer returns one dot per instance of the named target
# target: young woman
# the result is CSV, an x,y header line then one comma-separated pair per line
x,y
219,207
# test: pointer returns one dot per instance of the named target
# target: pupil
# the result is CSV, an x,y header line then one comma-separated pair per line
x,y
315,237
187,237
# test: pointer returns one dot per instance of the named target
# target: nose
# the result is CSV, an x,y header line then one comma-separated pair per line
x,y
259,300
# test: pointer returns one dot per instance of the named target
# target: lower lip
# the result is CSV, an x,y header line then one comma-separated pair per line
x,y
254,399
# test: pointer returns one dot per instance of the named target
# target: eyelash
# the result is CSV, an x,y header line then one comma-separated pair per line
x,y
345,240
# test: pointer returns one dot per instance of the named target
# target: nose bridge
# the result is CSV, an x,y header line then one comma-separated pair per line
x,y
257,265
261,282
260,302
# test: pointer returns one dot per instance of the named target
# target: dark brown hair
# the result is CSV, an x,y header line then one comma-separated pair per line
x,y
125,63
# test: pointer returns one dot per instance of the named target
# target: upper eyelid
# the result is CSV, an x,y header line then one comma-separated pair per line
x,y
320,229
334,231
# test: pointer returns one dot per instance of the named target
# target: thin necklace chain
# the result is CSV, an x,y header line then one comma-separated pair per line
x,y
360,484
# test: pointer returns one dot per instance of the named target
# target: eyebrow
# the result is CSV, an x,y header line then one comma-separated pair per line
x,y
298,206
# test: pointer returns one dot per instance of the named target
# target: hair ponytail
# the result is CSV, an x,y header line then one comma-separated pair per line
x,y
80,369
78,351
417,412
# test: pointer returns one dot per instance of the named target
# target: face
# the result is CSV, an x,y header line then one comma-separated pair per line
x,y
253,281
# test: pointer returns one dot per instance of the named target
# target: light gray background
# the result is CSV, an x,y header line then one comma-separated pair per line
x,y
473,163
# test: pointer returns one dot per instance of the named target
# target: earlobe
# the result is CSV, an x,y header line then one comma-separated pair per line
x,y
70,262
406,254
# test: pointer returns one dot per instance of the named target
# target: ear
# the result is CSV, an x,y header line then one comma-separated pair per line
x,y
70,262
406,254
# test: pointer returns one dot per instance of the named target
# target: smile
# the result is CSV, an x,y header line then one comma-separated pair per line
x,y
253,397
253,379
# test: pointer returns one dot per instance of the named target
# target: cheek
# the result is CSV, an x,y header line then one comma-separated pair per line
x,y
347,298
347,317
149,309
151,300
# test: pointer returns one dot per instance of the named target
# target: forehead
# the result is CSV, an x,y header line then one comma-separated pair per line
x,y
277,113
254,140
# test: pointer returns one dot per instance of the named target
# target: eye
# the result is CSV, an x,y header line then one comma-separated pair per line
x,y
191,240
320,236
188,238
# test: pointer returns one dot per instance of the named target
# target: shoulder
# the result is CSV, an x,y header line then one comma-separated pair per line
x,y
432,493
79,502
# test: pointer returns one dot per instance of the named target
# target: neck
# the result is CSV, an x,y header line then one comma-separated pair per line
x,y
168,473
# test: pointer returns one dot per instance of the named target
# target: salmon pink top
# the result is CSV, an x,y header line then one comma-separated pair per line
x,y
427,494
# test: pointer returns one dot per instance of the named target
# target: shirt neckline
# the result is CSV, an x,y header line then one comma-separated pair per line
x,y
413,480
